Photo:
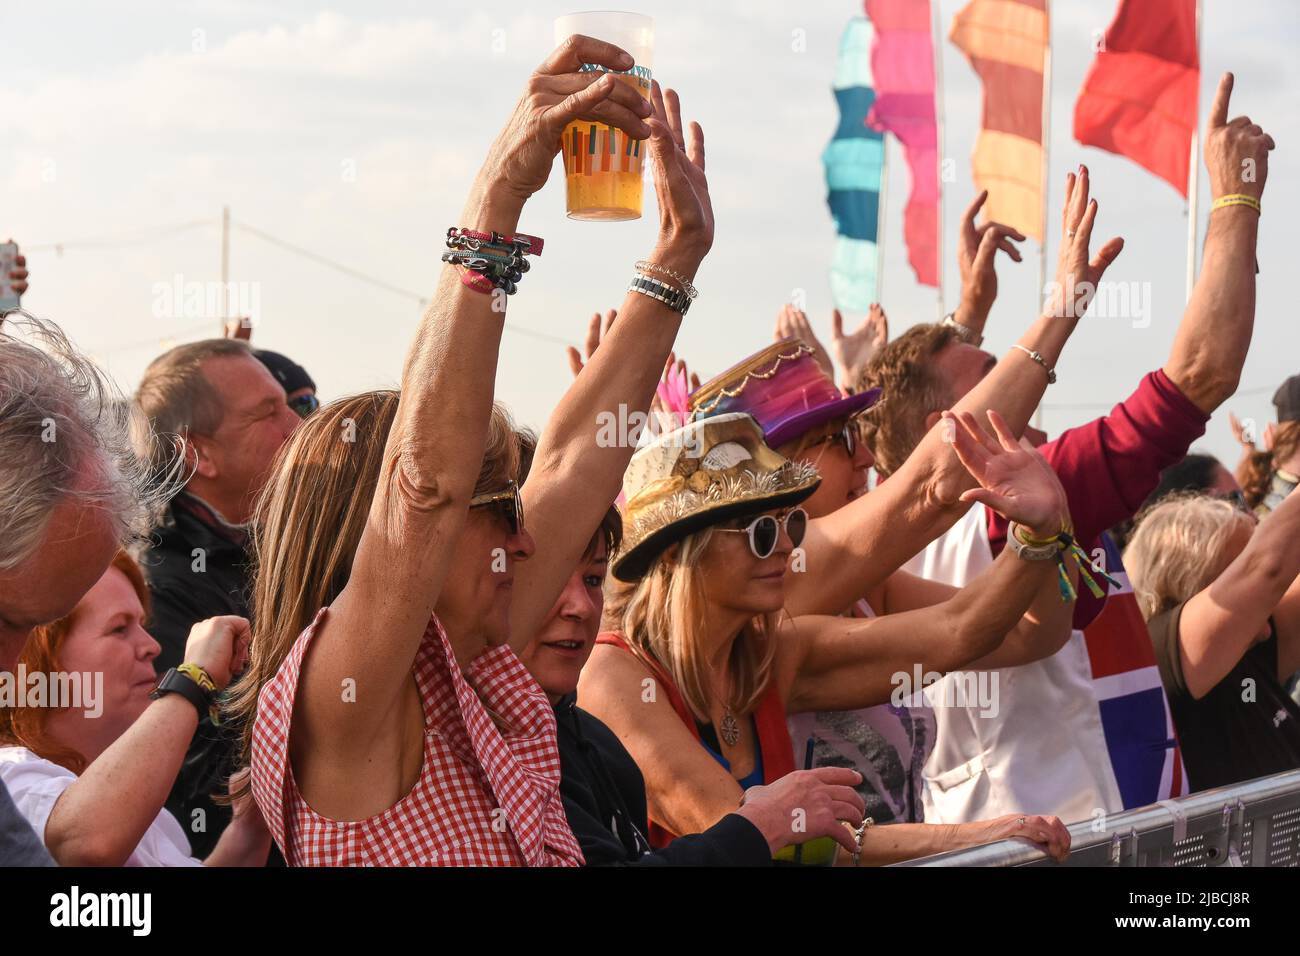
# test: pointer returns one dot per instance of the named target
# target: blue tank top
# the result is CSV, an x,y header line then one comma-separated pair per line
x,y
755,777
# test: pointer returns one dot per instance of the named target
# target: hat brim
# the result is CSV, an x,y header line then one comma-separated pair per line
x,y
632,564
805,421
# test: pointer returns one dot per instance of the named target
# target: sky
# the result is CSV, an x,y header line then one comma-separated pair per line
x,y
353,131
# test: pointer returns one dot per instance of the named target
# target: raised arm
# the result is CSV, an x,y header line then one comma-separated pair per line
x,y
1211,343
837,663
858,546
103,815
1219,625
435,448
577,470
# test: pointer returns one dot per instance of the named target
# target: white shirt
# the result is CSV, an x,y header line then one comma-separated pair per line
x,y
36,784
1044,751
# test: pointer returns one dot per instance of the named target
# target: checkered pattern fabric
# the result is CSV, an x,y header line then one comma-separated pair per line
x,y
485,797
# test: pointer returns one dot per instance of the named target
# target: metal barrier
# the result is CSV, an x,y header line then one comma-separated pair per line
x,y
1249,824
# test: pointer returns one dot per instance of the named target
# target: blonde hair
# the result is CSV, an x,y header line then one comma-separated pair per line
x,y
663,615
309,519
1177,549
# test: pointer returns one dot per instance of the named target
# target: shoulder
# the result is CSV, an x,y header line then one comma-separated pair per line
x,y
34,783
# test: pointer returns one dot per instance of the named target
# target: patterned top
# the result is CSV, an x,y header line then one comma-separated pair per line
x,y
484,797
888,744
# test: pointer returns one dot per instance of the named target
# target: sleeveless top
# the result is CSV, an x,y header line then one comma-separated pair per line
x,y
485,797
888,744
769,727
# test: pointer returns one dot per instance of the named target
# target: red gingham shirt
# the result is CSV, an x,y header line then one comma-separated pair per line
x,y
484,798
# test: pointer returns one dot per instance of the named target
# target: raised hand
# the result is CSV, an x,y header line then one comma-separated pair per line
x,y
18,274
677,165
792,323
1015,479
976,248
1077,274
1236,151
595,330
522,156
220,646
854,350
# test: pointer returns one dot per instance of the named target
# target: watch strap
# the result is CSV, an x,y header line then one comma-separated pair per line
x,y
178,682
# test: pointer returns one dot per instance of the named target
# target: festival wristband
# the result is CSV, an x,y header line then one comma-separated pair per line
x,y
1237,199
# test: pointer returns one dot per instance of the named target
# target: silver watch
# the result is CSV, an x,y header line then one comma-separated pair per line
x,y
965,332
676,299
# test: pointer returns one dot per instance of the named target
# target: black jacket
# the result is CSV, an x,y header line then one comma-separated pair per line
x,y
604,799
197,568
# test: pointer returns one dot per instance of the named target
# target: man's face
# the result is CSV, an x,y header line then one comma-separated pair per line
x,y
78,545
256,422
961,366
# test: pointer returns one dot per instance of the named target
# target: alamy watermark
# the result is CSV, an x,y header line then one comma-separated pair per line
x,y
60,690
974,689
180,299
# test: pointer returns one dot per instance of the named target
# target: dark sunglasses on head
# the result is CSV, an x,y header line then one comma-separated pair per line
x,y
507,503
765,531
304,405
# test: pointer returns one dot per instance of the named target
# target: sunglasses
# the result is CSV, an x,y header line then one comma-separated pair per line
x,y
506,503
304,405
1236,498
846,436
765,531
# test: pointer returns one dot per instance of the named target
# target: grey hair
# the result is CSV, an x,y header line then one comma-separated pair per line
x,y
177,400
65,435
1176,550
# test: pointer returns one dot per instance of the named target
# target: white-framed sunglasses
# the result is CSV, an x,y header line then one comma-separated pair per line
x,y
765,531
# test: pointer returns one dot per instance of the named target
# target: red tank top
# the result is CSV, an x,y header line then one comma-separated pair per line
x,y
769,724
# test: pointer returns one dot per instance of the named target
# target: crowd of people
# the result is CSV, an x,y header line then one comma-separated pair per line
x,y
397,629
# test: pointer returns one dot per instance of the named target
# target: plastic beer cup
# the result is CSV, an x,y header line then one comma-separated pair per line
x,y
603,166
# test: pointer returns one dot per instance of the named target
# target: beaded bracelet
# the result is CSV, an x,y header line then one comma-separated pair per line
x,y
491,260
645,265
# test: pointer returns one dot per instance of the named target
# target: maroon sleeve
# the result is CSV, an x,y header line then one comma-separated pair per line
x,y
1109,465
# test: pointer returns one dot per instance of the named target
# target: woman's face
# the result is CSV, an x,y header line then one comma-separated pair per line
x,y
735,579
107,638
474,605
557,654
844,478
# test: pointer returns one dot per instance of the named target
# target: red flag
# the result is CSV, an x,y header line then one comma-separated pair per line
x,y
1139,98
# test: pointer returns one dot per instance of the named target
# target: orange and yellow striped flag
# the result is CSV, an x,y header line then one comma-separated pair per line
x,y
1007,42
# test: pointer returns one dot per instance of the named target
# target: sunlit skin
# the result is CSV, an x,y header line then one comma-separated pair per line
x,y
558,653
474,606
1232,548
78,545
960,366
739,586
234,461
107,637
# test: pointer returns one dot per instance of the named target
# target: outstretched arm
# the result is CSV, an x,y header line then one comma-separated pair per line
x,y
1211,343
859,545
434,450
837,663
577,470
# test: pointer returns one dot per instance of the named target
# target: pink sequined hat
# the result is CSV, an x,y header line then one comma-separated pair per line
x,y
783,389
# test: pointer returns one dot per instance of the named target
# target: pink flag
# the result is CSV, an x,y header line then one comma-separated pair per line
x,y
902,62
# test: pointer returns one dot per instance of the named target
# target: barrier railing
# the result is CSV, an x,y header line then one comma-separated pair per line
x,y
1256,823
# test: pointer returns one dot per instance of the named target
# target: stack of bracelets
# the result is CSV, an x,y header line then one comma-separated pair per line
x,y
491,260
677,297
1055,548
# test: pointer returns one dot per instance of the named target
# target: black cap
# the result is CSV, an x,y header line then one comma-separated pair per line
x,y
1287,400
287,372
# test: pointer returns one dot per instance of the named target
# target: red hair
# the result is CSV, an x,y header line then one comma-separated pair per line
x,y
25,726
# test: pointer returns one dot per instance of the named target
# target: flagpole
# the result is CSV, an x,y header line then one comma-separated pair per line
x,y
1194,169
880,218
1045,187
939,143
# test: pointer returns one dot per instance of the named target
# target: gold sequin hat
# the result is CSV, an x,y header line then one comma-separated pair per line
x,y
700,475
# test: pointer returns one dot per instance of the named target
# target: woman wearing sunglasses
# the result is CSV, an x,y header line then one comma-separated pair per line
x,y
699,677
806,418
386,716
